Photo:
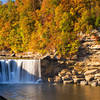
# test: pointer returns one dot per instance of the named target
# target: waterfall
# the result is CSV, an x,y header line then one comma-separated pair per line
x,y
20,71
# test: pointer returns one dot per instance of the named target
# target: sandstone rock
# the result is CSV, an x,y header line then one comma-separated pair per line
x,y
74,72
98,78
98,83
89,78
68,81
13,55
56,70
66,77
63,72
90,72
96,63
50,80
94,83
78,80
97,75
83,83
49,68
97,47
68,73
58,79
79,76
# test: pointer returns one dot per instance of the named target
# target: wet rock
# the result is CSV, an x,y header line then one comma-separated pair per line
x,y
13,55
50,80
78,76
58,79
39,81
68,73
74,72
98,83
63,73
68,81
94,83
66,77
97,75
56,70
83,83
89,78
98,79
90,72
78,80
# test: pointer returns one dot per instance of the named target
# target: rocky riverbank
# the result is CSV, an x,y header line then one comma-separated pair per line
x,y
82,69
90,77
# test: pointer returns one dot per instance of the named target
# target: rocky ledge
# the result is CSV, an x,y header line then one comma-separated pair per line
x,y
90,77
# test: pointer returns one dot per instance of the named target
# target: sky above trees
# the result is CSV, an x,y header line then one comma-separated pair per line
x,y
3,1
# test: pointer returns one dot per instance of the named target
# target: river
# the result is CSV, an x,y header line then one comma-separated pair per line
x,y
49,92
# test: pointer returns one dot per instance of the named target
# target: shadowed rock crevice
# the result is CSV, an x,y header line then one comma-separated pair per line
x,y
2,98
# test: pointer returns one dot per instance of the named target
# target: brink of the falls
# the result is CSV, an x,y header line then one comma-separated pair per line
x,y
20,71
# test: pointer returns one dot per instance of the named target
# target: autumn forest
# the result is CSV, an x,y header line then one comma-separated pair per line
x,y
47,25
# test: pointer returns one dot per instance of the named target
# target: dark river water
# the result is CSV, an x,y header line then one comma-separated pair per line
x,y
49,92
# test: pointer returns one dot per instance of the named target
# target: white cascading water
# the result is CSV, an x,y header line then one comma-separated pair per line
x,y
20,71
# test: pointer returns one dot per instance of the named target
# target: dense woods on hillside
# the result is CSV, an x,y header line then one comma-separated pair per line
x,y
47,25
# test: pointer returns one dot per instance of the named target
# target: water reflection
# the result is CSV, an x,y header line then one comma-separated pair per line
x,y
49,92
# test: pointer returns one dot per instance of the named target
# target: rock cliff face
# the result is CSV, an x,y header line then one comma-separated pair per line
x,y
50,67
89,52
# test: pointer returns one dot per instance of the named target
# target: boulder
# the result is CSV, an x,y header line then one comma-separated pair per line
x,y
94,83
50,80
89,78
58,79
78,80
68,81
68,73
97,78
90,72
78,76
64,72
74,72
13,55
83,83
97,75
66,77
98,83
